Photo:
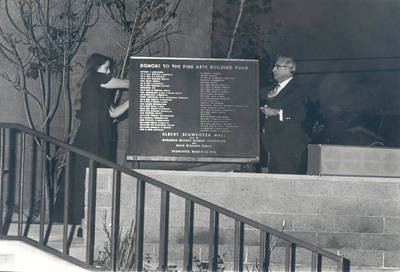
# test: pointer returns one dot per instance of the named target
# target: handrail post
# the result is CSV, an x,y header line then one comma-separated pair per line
x,y
238,247
164,224
67,179
115,214
188,246
2,158
21,183
265,253
140,200
213,242
290,264
316,262
43,192
91,212
345,265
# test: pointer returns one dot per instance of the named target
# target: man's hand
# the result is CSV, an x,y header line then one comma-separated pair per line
x,y
269,111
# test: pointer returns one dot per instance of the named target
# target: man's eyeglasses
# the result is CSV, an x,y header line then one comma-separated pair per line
x,y
279,66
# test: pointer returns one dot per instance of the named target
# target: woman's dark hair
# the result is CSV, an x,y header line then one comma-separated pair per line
x,y
94,62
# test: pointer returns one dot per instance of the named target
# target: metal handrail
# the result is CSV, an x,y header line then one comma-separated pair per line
x,y
215,211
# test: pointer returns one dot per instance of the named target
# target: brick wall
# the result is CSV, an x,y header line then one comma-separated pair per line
x,y
353,216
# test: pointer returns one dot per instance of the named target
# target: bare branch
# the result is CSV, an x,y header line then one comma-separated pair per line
x,y
9,17
239,17
172,11
46,30
16,82
54,107
82,27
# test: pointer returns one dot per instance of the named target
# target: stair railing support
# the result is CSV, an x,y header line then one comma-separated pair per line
x,y
2,159
67,179
43,192
239,245
91,210
21,184
164,225
265,252
316,262
115,216
345,265
290,263
213,242
140,200
188,239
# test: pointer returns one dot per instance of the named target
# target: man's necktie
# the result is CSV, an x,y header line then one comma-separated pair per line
x,y
274,91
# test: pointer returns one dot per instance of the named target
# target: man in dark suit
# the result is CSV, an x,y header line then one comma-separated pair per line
x,y
283,138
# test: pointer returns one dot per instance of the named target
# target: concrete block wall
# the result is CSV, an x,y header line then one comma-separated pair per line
x,y
352,216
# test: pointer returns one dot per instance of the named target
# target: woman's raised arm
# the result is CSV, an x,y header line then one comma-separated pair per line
x,y
116,83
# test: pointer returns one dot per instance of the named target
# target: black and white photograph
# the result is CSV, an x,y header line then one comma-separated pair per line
x,y
200,135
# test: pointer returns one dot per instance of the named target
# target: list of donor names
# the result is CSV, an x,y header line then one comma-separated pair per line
x,y
155,98
216,102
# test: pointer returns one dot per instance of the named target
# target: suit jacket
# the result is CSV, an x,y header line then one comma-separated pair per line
x,y
286,140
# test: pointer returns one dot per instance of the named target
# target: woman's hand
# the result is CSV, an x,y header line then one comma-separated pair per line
x,y
119,110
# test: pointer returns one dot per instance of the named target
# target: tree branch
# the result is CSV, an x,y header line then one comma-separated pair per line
x,y
242,2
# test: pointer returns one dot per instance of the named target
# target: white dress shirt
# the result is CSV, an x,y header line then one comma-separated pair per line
x,y
279,88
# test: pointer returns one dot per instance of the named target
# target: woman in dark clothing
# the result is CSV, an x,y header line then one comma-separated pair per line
x,y
96,130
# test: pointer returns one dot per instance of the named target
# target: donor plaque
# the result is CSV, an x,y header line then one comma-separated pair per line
x,y
193,109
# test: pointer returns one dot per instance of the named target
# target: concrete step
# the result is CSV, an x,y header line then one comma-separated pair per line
x,y
21,256
77,247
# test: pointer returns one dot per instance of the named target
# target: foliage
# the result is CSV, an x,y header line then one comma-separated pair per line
x,y
201,266
126,252
142,22
44,37
39,43
125,247
135,16
258,267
